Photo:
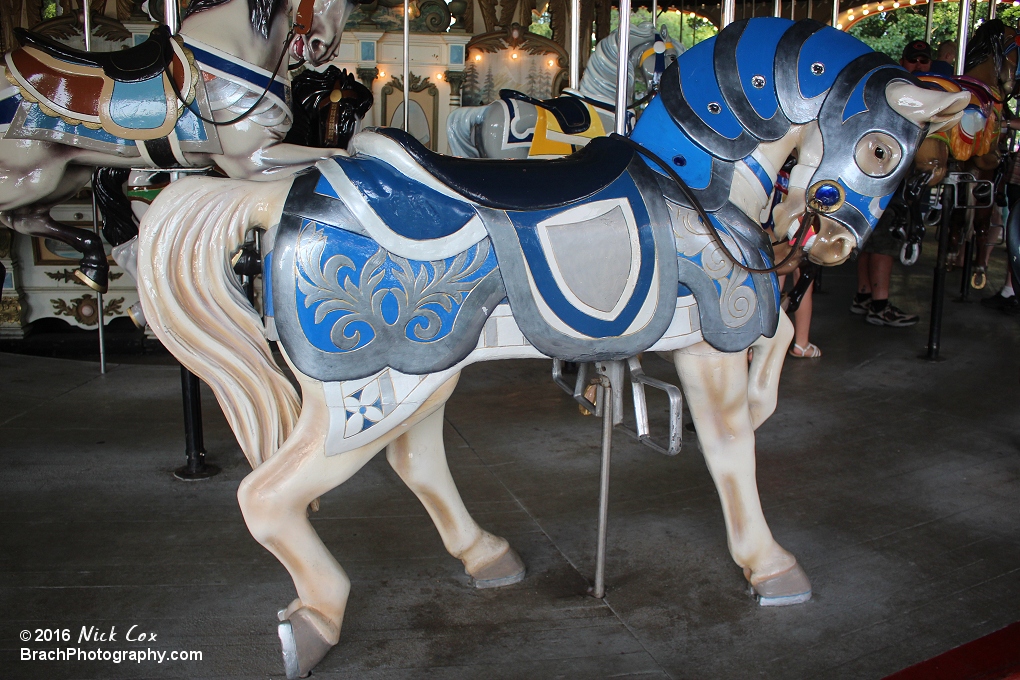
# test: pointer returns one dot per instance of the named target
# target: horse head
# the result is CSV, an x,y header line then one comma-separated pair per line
x,y
332,104
992,56
853,160
599,79
318,27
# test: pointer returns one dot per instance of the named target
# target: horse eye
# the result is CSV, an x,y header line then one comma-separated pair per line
x,y
879,153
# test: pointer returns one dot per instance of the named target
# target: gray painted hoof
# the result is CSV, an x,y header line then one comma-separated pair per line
x,y
303,645
506,570
790,587
137,315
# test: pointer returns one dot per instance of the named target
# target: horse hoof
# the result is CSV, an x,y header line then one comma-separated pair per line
x,y
304,646
137,315
978,280
505,570
789,587
95,278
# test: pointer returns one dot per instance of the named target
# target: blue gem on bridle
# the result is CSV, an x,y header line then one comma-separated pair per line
x,y
826,197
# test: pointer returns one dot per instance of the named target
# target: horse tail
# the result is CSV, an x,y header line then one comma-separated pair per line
x,y
119,224
462,130
195,306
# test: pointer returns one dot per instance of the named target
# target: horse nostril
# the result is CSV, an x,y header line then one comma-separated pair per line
x,y
317,46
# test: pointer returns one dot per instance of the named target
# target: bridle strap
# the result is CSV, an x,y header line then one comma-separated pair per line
x,y
799,240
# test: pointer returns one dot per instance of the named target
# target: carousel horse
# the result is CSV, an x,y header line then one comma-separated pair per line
x,y
388,271
519,126
972,145
209,97
330,106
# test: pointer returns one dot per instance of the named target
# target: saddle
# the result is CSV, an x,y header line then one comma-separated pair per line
x,y
570,112
129,93
523,185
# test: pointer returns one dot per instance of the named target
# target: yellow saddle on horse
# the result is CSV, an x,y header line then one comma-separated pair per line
x,y
137,93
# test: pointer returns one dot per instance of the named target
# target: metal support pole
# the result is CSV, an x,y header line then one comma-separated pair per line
x,y
968,265
171,15
407,60
196,467
99,296
87,22
929,22
575,44
608,410
729,9
655,13
835,12
938,292
793,10
962,31
621,68
777,8
991,9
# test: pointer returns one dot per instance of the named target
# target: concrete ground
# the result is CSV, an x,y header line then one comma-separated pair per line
x,y
893,480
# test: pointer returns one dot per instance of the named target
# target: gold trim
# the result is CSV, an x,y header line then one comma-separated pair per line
x,y
825,209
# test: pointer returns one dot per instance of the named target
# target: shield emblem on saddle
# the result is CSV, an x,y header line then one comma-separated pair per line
x,y
131,94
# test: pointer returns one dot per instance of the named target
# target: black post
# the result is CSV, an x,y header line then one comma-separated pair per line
x,y
196,467
968,269
938,292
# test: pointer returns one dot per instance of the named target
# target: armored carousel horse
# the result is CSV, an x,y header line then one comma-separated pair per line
x,y
389,271
214,96
519,126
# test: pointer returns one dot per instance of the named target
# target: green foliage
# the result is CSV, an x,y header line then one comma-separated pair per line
x,y
541,25
695,28
889,32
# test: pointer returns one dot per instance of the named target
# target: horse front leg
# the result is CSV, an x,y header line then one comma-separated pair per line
x,y
274,500
419,457
767,357
716,385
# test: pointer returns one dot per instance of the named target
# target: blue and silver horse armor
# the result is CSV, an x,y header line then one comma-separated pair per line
x,y
396,256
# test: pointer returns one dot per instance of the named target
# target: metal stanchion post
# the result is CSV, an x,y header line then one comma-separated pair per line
x,y
407,61
608,411
196,467
938,292
575,44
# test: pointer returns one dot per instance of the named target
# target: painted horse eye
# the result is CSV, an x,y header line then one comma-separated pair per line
x,y
878,154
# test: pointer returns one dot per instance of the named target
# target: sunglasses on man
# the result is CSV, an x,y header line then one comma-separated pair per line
x,y
919,60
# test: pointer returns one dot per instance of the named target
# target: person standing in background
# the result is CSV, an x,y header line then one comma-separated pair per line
x,y
945,61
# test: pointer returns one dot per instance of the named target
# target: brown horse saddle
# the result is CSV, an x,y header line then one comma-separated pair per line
x,y
129,93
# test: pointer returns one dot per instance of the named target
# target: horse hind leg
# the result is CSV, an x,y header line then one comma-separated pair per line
x,y
419,458
716,387
274,500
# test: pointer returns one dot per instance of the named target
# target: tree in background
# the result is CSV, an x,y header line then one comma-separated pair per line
x,y
889,32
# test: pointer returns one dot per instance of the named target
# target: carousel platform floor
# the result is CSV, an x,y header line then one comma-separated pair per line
x,y
896,482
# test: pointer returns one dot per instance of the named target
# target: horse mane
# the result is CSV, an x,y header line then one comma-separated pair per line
x,y
599,79
986,42
261,12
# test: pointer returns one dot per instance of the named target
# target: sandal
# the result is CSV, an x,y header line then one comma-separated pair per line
x,y
809,352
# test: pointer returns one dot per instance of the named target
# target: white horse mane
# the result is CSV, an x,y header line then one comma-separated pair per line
x,y
599,79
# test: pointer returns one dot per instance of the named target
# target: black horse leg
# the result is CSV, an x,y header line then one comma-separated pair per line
x,y
93,270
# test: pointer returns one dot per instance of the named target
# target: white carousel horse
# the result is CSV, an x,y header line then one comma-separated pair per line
x,y
388,272
507,128
49,151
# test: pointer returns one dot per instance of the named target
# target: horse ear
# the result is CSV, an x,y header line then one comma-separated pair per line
x,y
920,105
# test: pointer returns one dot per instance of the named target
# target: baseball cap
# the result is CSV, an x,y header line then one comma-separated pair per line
x,y
917,48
